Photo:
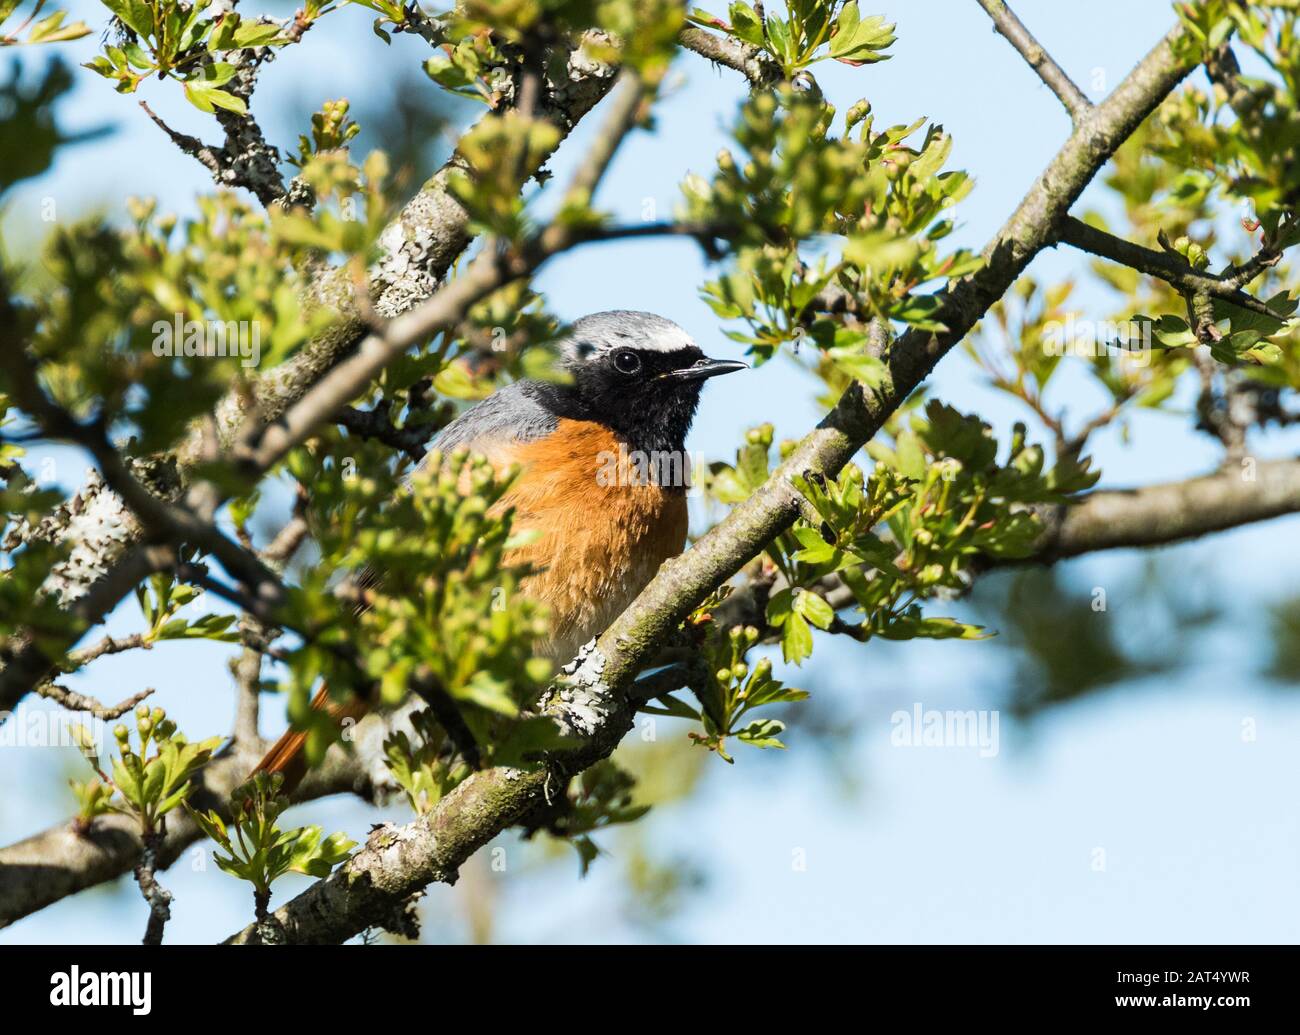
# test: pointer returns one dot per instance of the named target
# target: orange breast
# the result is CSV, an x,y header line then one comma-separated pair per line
x,y
600,535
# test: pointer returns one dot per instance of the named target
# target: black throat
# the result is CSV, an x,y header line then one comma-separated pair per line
x,y
653,419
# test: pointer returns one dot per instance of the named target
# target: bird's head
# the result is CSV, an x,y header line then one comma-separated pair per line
x,y
638,373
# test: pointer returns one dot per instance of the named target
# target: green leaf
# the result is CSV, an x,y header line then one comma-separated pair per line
x,y
909,627
447,73
814,608
203,91
1172,332
255,34
858,41
671,706
315,857
135,13
762,733
816,550
796,639
920,312
745,24
52,30
779,607
228,101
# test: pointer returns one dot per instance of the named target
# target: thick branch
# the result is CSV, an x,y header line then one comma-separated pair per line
x,y
754,64
1010,26
1161,514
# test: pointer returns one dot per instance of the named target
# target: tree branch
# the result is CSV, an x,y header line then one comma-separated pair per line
x,y
376,424
1225,72
400,861
246,669
1172,269
76,702
208,157
165,520
158,898
1158,515
754,64
1010,26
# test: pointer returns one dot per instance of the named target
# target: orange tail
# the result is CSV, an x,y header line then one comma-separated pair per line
x,y
286,756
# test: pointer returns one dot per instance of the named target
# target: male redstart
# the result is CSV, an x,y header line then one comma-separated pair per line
x,y
632,389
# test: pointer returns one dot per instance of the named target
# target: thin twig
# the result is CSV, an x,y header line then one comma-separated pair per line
x,y
1010,26
376,424
663,682
247,672
1172,269
286,542
630,91
158,897
187,522
1225,72
210,158
76,702
108,645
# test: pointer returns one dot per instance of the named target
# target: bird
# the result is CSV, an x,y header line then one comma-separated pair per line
x,y
591,450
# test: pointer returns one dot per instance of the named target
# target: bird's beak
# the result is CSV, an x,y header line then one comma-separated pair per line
x,y
705,368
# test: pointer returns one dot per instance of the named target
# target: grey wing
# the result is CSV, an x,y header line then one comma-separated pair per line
x,y
519,412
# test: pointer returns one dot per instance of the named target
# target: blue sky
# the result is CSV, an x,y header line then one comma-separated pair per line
x,y
1197,825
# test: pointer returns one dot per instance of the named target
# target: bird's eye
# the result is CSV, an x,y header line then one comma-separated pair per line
x,y
626,361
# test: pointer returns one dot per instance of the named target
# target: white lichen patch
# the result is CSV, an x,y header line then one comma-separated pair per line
x,y
100,527
581,702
